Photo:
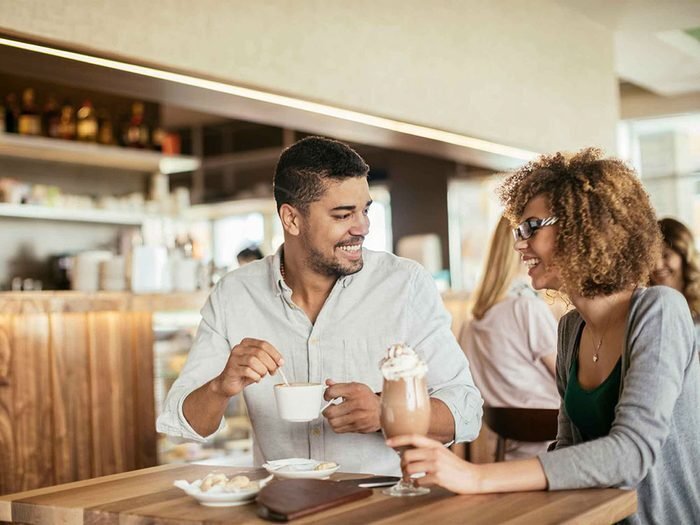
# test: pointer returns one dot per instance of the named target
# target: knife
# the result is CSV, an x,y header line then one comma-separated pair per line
x,y
372,482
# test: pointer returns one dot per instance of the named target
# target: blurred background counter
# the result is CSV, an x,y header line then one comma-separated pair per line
x,y
82,377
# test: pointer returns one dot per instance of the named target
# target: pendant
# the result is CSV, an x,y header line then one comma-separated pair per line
x,y
595,358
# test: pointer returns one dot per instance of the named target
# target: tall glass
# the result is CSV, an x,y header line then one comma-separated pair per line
x,y
405,409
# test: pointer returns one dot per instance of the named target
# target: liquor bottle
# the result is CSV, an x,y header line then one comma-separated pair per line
x,y
136,133
51,117
66,124
106,133
158,137
29,119
87,123
11,113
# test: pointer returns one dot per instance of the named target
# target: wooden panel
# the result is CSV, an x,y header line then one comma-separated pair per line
x,y
7,444
71,397
76,393
111,390
145,454
31,403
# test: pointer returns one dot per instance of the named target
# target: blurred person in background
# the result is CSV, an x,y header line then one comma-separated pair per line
x,y
511,342
248,255
627,367
678,266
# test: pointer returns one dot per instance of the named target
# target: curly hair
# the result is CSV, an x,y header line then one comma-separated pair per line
x,y
679,238
608,239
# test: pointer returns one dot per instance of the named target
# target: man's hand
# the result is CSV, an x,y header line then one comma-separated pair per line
x,y
359,411
248,363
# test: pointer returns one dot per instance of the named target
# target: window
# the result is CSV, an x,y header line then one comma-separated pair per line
x,y
473,212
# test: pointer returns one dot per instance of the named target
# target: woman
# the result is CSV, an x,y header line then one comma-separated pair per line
x,y
678,265
511,340
626,366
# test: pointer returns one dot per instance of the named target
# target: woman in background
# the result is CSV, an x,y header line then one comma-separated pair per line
x,y
678,265
627,367
511,341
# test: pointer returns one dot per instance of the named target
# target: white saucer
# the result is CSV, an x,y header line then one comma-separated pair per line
x,y
217,497
298,468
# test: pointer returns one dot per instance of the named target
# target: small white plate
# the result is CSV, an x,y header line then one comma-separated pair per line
x,y
298,468
217,497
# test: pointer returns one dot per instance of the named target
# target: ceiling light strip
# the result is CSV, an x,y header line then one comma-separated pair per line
x,y
280,100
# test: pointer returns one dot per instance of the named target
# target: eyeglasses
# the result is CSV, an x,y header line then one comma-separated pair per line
x,y
527,229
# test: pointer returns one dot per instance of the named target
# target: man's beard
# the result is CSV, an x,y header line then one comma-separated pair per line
x,y
331,267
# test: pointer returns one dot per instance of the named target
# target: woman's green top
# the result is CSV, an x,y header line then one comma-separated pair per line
x,y
592,411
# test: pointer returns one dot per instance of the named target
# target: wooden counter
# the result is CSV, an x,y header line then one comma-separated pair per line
x,y
64,301
76,384
148,497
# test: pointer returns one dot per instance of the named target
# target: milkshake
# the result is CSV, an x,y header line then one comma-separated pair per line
x,y
405,404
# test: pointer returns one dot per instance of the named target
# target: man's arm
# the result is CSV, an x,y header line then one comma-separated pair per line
x,y
204,408
248,363
456,401
442,424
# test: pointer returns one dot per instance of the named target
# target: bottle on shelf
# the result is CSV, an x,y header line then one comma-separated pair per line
x,y
136,131
11,113
87,123
158,137
66,123
51,117
29,122
105,135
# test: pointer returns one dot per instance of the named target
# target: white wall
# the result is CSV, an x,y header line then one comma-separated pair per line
x,y
524,73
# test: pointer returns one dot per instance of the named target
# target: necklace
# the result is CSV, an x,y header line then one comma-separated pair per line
x,y
284,274
597,350
596,353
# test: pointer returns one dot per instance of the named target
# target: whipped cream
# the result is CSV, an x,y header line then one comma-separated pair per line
x,y
401,361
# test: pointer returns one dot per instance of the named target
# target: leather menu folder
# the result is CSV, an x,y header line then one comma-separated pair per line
x,y
290,499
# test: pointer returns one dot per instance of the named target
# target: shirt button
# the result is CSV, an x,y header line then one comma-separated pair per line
x,y
313,340
316,432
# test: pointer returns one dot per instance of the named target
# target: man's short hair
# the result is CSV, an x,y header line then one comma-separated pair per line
x,y
304,168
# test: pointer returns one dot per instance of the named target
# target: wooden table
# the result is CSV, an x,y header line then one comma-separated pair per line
x,y
147,496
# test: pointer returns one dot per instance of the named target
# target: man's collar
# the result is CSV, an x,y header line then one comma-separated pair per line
x,y
277,282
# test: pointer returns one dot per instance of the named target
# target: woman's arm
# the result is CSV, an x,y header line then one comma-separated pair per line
x,y
443,468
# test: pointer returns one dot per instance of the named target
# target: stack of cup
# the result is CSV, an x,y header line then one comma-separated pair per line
x,y
113,274
85,276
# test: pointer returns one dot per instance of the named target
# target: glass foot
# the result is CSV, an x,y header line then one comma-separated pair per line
x,y
403,489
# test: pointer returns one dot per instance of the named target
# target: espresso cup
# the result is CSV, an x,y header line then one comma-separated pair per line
x,y
299,401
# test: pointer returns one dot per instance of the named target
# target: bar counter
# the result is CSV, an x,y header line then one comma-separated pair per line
x,y
76,384
68,301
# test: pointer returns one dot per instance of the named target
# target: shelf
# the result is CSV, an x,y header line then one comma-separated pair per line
x,y
87,154
30,211
265,205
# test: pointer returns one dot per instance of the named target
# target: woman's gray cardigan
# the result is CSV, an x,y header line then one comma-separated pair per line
x,y
654,442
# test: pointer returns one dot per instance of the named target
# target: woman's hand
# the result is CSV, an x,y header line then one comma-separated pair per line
x,y
441,466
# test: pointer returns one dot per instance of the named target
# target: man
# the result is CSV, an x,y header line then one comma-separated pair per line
x,y
324,309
